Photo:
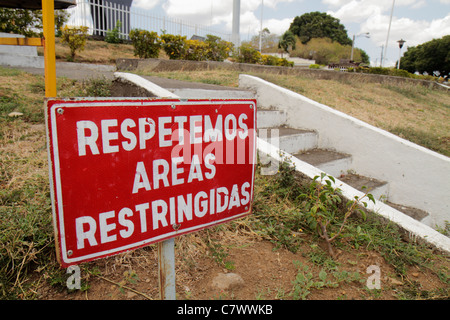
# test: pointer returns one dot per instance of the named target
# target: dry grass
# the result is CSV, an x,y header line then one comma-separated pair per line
x,y
99,52
413,112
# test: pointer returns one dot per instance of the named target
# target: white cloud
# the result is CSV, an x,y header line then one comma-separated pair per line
x,y
360,10
414,32
146,4
276,26
217,12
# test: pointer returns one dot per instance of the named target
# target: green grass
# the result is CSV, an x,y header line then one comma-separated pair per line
x,y
26,230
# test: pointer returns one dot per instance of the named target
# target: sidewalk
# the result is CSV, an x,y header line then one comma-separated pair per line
x,y
83,71
76,71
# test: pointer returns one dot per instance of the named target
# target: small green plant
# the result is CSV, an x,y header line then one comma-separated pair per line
x,y
113,35
305,280
322,201
146,44
75,38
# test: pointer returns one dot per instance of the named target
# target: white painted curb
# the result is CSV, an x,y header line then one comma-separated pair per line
x,y
156,90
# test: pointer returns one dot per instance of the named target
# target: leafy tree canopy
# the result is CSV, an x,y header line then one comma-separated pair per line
x,y
428,57
28,22
319,25
287,40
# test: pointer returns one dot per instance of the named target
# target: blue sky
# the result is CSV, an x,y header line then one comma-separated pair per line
x,y
415,21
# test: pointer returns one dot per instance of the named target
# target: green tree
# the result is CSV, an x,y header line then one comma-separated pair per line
x,y
428,57
287,40
319,25
326,51
20,21
29,22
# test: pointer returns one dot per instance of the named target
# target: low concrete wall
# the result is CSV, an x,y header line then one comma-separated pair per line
x,y
159,65
19,56
417,176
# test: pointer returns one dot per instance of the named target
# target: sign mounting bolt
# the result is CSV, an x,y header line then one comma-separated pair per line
x,y
60,110
69,253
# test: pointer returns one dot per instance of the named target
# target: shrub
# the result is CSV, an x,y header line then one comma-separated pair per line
x,y
400,73
283,62
218,49
248,54
75,38
146,44
269,60
113,36
195,50
174,46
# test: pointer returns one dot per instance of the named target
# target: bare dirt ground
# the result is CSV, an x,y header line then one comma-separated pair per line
x,y
268,274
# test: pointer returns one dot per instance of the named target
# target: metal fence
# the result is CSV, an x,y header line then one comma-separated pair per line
x,y
101,16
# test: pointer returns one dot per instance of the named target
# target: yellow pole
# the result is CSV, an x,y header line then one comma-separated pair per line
x,y
48,19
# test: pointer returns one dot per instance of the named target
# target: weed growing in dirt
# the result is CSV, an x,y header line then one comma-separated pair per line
x,y
322,202
282,214
305,280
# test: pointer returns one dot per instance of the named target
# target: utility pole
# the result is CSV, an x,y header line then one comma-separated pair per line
x,y
261,29
381,61
389,31
236,22
401,42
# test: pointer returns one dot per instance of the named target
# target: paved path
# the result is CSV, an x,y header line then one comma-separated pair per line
x,y
76,71
84,71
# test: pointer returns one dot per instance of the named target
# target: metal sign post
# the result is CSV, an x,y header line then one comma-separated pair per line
x,y
166,269
48,20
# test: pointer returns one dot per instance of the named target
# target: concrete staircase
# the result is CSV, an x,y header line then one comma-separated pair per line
x,y
303,144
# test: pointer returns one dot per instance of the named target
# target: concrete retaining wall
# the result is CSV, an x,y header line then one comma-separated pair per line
x,y
19,56
417,176
159,65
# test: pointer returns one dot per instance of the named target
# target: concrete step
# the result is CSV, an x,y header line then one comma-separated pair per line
x,y
330,162
271,118
379,189
290,140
